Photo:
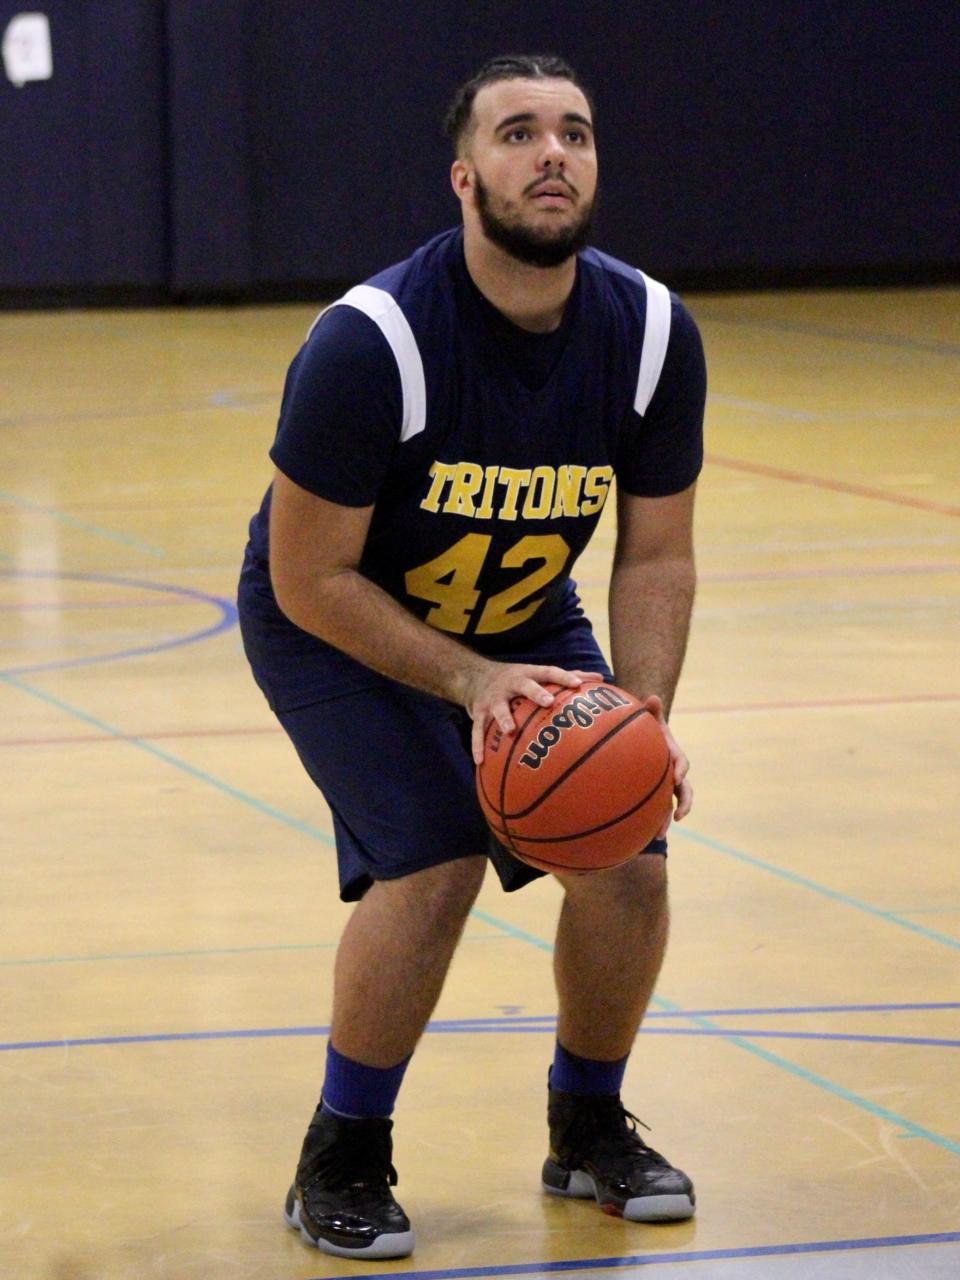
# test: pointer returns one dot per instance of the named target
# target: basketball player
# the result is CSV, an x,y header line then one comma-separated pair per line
x,y
449,434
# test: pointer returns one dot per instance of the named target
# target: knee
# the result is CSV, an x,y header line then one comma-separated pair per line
x,y
449,890
639,885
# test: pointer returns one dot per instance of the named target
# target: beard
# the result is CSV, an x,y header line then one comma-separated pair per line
x,y
545,247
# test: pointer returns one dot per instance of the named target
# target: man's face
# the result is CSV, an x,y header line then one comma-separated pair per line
x,y
529,168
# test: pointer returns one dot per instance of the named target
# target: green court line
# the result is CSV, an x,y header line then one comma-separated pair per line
x,y
98,531
262,949
270,811
267,810
792,877
907,1127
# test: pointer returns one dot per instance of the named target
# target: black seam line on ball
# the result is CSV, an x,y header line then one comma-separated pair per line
x,y
522,813
591,831
506,769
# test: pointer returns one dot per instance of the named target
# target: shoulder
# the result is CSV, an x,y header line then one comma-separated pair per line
x,y
387,298
372,335
664,333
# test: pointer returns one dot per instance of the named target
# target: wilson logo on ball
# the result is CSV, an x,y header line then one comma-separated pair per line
x,y
579,713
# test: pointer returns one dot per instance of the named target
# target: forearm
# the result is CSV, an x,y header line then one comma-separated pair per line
x,y
352,613
650,606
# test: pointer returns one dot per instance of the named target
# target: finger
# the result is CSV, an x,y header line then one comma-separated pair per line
x,y
476,740
681,767
653,704
500,711
557,675
684,794
536,693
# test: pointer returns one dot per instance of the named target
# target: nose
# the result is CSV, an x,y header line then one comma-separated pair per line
x,y
553,155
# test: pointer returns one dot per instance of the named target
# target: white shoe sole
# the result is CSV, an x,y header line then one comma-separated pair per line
x,y
670,1208
399,1244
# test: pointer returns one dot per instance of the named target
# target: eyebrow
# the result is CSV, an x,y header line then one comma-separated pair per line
x,y
524,117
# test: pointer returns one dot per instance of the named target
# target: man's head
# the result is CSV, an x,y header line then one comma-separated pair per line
x,y
525,168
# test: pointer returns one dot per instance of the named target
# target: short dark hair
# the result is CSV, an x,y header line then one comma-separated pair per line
x,y
511,66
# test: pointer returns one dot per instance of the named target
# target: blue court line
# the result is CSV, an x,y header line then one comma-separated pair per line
x,y
227,619
652,1259
821,1082
802,1073
512,1025
98,531
792,877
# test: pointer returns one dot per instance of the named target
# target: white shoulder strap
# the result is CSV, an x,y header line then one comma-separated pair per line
x,y
656,335
383,310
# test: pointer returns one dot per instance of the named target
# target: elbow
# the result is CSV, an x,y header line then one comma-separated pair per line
x,y
300,602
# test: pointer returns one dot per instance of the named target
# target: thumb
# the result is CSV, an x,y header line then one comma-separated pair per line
x,y
654,705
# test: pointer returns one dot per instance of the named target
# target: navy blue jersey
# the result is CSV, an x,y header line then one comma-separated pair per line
x,y
488,452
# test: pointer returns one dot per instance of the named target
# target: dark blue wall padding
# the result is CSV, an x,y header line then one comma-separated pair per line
x,y
734,136
238,145
82,155
212,162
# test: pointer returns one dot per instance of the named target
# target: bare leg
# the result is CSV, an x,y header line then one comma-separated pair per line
x,y
610,945
393,958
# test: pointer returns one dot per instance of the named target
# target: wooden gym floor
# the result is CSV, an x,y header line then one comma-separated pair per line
x,y
169,913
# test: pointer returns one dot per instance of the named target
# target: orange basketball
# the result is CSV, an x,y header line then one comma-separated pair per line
x,y
582,785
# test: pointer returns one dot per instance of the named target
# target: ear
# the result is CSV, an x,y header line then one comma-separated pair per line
x,y
461,178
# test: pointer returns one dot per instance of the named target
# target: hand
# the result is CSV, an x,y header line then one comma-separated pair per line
x,y
488,692
681,765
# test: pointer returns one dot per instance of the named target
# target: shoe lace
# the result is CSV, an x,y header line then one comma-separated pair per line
x,y
604,1127
359,1159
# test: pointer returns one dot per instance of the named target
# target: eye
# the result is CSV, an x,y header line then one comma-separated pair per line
x,y
518,134
576,135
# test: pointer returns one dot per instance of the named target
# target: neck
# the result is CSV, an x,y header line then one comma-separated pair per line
x,y
530,297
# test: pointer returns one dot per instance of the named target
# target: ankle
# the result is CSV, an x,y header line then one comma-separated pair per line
x,y
354,1091
571,1073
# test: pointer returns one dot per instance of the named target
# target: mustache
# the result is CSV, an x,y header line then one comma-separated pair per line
x,y
557,180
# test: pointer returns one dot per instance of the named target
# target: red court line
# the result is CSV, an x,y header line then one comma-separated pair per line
x,y
732,708
838,486
61,606
850,571
824,704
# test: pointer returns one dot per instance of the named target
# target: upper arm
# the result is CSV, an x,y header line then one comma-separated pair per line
x,y
342,410
311,540
339,426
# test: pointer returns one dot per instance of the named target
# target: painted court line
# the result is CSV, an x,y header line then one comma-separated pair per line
x,y
932,346
803,882
84,526
226,609
510,1025
216,400
836,486
187,952
158,753
733,708
651,1259
808,1077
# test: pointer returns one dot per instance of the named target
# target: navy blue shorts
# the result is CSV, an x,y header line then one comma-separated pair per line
x,y
394,764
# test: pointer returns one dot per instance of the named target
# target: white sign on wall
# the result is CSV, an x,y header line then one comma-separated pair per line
x,y
27,52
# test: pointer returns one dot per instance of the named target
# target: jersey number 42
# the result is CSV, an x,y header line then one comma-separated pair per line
x,y
449,582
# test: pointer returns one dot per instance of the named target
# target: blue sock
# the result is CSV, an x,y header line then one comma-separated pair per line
x,y
585,1075
357,1092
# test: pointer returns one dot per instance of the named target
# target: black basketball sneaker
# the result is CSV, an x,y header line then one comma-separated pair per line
x,y
341,1200
595,1151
